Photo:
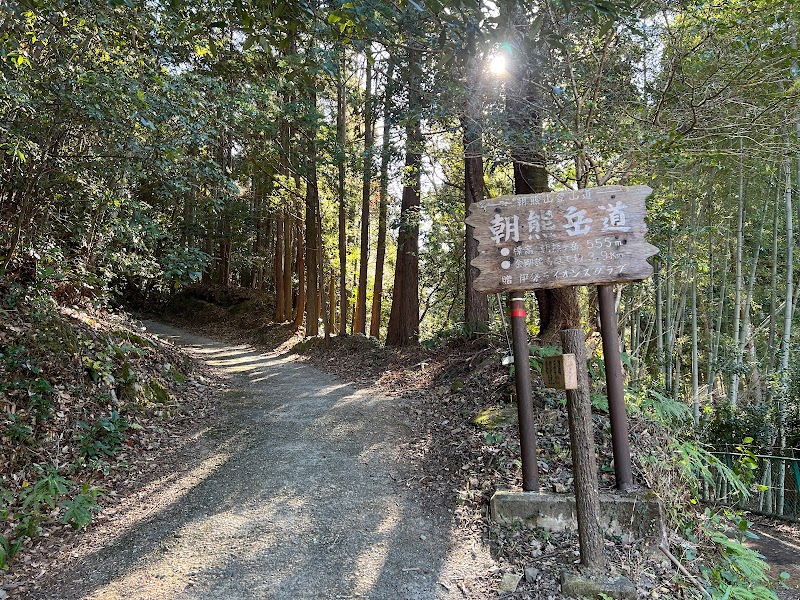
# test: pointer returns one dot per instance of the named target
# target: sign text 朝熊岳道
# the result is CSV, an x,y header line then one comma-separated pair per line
x,y
560,239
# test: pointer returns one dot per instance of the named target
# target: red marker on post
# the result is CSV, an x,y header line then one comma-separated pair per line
x,y
522,379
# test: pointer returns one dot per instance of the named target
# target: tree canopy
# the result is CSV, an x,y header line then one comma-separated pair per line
x,y
301,148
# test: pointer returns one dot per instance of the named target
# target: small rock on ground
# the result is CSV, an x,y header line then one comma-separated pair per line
x,y
509,583
576,585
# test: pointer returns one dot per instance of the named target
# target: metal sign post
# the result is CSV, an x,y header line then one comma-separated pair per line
x,y
614,388
592,236
522,379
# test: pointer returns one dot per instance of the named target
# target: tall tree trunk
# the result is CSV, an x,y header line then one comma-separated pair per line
x,y
695,356
282,312
476,304
267,243
321,259
404,317
341,141
745,336
360,324
669,323
223,238
312,226
300,308
723,292
675,349
257,212
288,260
189,217
225,253
693,284
331,303
208,248
280,306
644,348
380,251
558,309
771,351
787,337
737,304
659,317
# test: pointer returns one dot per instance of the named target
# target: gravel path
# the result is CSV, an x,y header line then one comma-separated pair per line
x,y
294,491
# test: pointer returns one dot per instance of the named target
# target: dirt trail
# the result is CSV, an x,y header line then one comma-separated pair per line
x,y
293,492
781,549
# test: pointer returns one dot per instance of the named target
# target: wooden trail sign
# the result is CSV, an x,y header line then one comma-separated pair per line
x,y
560,239
560,372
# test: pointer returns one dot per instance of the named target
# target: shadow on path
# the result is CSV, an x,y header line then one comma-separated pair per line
x,y
781,553
291,493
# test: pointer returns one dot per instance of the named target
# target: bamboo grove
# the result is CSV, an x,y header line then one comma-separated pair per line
x,y
325,153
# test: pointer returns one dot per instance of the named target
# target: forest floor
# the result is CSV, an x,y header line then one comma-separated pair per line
x,y
336,471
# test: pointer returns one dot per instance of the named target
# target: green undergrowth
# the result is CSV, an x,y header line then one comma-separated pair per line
x,y
708,540
78,389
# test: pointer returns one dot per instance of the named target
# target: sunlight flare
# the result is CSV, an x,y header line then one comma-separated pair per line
x,y
498,64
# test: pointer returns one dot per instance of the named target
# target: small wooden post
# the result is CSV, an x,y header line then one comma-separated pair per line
x,y
584,461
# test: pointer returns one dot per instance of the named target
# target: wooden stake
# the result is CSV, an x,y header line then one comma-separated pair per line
x,y
584,462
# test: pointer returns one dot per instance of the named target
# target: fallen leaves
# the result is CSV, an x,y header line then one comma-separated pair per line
x,y
68,408
465,446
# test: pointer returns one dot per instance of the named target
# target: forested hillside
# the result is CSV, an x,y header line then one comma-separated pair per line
x,y
324,156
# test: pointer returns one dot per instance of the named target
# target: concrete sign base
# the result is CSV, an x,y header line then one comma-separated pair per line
x,y
627,517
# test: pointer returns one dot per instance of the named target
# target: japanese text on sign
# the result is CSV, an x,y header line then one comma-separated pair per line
x,y
558,239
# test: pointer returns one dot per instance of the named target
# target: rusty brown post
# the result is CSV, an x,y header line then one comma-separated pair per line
x,y
614,388
522,379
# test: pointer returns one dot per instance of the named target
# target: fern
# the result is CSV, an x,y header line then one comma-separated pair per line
x,y
698,463
741,574
663,409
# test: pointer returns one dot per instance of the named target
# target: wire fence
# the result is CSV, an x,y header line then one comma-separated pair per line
x,y
773,479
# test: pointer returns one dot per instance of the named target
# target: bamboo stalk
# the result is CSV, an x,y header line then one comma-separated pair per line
x,y
684,572
737,304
